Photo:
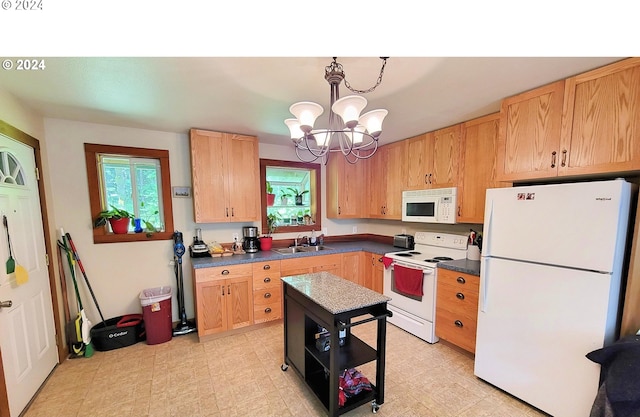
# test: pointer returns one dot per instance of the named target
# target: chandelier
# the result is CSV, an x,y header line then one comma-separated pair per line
x,y
355,135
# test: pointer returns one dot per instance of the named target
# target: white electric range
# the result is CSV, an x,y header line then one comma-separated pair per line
x,y
416,314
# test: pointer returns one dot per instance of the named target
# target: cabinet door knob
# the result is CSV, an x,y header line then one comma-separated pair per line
x,y
232,213
460,296
228,289
266,267
458,323
225,272
267,295
267,310
267,279
227,211
339,212
564,158
461,280
553,159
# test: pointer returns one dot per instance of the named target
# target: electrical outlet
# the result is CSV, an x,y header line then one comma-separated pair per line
x,y
235,237
325,231
355,229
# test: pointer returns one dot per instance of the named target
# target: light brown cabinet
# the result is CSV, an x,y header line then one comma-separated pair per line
x,y
225,174
530,134
224,298
601,121
267,291
386,171
353,267
457,308
373,271
345,183
310,264
432,159
477,168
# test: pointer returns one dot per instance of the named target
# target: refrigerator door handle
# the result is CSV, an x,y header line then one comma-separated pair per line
x,y
488,222
484,278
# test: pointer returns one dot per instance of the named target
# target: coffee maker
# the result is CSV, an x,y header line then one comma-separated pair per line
x,y
250,242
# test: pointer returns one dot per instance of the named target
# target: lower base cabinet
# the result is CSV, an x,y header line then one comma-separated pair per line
x,y
267,292
457,308
373,272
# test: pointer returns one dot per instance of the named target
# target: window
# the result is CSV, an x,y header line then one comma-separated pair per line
x,y
288,179
133,179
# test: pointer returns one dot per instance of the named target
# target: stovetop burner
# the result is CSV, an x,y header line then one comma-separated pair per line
x,y
437,259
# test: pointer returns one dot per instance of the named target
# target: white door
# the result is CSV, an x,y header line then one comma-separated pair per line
x,y
27,331
536,323
580,225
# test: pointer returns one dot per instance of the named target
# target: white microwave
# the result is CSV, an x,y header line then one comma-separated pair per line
x,y
436,205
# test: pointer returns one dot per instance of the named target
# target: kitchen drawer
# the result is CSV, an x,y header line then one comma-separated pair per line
x,y
223,272
272,267
466,283
267,312
456,329
454,298
267,296
266,280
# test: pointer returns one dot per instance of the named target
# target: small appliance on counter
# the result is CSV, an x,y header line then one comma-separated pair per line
x,y
198,249
250,242
403,241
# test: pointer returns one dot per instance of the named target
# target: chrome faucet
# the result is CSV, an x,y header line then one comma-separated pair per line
x,y
295,241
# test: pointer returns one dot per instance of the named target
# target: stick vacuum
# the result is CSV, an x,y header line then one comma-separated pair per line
x,y
184,326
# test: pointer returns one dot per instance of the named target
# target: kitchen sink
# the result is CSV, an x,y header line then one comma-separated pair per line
x,y
313,248
298,249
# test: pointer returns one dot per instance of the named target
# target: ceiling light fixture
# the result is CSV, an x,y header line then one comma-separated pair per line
x,y
355,135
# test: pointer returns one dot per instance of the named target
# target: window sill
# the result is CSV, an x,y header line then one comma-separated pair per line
x,y
130,237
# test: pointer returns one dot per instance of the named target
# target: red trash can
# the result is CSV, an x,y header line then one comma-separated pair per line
x,y
156,313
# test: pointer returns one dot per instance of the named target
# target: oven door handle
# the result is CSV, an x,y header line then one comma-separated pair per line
x,y
426,271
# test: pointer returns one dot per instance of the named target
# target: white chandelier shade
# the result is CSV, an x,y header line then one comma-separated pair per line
x,y
306,112
349,108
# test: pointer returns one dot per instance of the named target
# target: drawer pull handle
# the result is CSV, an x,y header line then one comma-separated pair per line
x,y
267,310
458,323
228,289
267,279
267,295
461,280
225,272
460,296
266,267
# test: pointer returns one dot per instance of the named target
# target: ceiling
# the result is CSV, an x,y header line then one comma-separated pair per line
x,y
253,95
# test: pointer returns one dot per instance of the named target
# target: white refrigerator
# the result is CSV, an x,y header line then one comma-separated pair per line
x,y
550,281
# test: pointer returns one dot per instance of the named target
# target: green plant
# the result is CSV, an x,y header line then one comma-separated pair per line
x,y
269,188
147,224
115,213
272,223
296,192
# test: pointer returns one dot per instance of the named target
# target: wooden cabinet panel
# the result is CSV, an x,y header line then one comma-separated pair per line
x,y
296,266
225,175
353,266
530,126
345,182
601,120
377,185
386,172
477,169
457,308
239,302
373,272
267,291
210,307
446,149
419,161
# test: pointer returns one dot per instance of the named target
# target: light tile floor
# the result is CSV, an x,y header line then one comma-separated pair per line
x,y
240,375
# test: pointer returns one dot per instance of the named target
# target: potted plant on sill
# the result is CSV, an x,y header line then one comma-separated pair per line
x,y
119,219
266,242
284,198
298,195
271,197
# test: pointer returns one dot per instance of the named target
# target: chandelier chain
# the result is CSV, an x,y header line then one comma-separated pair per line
x,y
384,63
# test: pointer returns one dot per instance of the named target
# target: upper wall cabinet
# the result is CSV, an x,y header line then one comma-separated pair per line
x,y
530,134
225,172
432,159
477,168
345,183
386,171
601,120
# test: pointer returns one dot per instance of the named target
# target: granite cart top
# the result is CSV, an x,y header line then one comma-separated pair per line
x,y
334,294
265,256
462,265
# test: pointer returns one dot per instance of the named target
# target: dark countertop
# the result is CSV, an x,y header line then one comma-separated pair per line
x,y
462,265
334,294
265,256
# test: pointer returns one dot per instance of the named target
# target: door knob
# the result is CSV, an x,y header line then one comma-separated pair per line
x,y
6,304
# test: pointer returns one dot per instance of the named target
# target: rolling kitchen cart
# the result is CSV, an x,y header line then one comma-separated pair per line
x,y
323,299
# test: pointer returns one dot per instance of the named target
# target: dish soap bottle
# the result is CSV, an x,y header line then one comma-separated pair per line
x,y
312,240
